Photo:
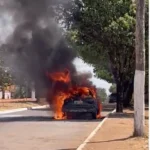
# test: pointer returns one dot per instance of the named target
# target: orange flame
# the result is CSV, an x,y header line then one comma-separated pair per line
x,y
60,76
59,101
59,96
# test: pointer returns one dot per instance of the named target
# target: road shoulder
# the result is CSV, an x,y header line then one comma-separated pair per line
x,y
8,105
117,134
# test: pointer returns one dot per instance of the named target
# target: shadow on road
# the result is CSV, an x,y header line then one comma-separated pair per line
x,y
108,107
124,115
41,119
40,109
121,115
68,149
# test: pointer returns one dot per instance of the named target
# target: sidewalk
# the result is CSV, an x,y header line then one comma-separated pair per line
x,y
19,103
117,134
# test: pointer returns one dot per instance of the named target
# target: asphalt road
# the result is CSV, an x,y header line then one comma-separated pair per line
x,y
36,130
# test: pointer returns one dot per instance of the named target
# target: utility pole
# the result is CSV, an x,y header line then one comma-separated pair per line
x,y
139,80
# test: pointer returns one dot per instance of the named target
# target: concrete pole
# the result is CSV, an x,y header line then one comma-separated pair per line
x,y
139,80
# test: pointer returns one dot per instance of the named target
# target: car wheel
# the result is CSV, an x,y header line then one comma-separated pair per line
x,y
94,115
69,116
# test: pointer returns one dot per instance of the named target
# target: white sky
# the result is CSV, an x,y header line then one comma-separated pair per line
x,y
84,67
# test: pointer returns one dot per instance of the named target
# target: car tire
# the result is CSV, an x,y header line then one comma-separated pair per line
x,y
94,115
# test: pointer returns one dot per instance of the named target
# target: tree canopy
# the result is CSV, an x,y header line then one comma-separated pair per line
x,y
101,92
103,33
112,88
5,77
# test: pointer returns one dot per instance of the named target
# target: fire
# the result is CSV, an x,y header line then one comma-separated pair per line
x,y
59,94
59,100
60,76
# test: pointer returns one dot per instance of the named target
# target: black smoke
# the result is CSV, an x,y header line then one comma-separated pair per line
x,y
37,45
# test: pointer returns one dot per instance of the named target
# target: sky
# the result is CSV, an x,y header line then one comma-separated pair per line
x,y
84,67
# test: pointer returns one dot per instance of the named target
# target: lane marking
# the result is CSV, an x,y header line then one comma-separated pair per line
x,y
94,131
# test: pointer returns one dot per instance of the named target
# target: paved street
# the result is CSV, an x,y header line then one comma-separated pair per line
x,y
36,130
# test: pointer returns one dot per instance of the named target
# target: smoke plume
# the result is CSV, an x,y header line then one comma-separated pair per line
x,y
37,45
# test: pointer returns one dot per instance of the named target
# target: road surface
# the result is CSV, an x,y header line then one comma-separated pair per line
x,y
36,130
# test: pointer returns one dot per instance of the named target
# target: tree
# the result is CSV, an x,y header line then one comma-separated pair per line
x,y
18,72
139,83
112,89
101,92
106,37
103,33
5,78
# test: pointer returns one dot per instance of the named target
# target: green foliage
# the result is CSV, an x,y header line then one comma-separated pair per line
x,y
20,92
104,34
5,77
112,89
101,92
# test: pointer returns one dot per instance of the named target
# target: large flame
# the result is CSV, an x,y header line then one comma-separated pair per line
x,y
60,76
59,93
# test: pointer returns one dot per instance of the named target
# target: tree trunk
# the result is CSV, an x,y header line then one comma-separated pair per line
x,y
20,91
139,80
119,107
128,95
125,87
28,92
3,93
37,91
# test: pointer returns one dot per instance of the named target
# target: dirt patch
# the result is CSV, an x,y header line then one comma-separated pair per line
x,y
117,134
7,104
15,105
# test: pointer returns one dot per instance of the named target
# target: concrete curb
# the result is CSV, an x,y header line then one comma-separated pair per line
x,y
22,109
35,107
94,131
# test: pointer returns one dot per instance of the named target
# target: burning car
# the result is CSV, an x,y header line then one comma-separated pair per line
x,y
70,100
81,105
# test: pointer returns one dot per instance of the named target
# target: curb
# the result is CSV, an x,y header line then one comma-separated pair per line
x,y
94,131
21,109
44,106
